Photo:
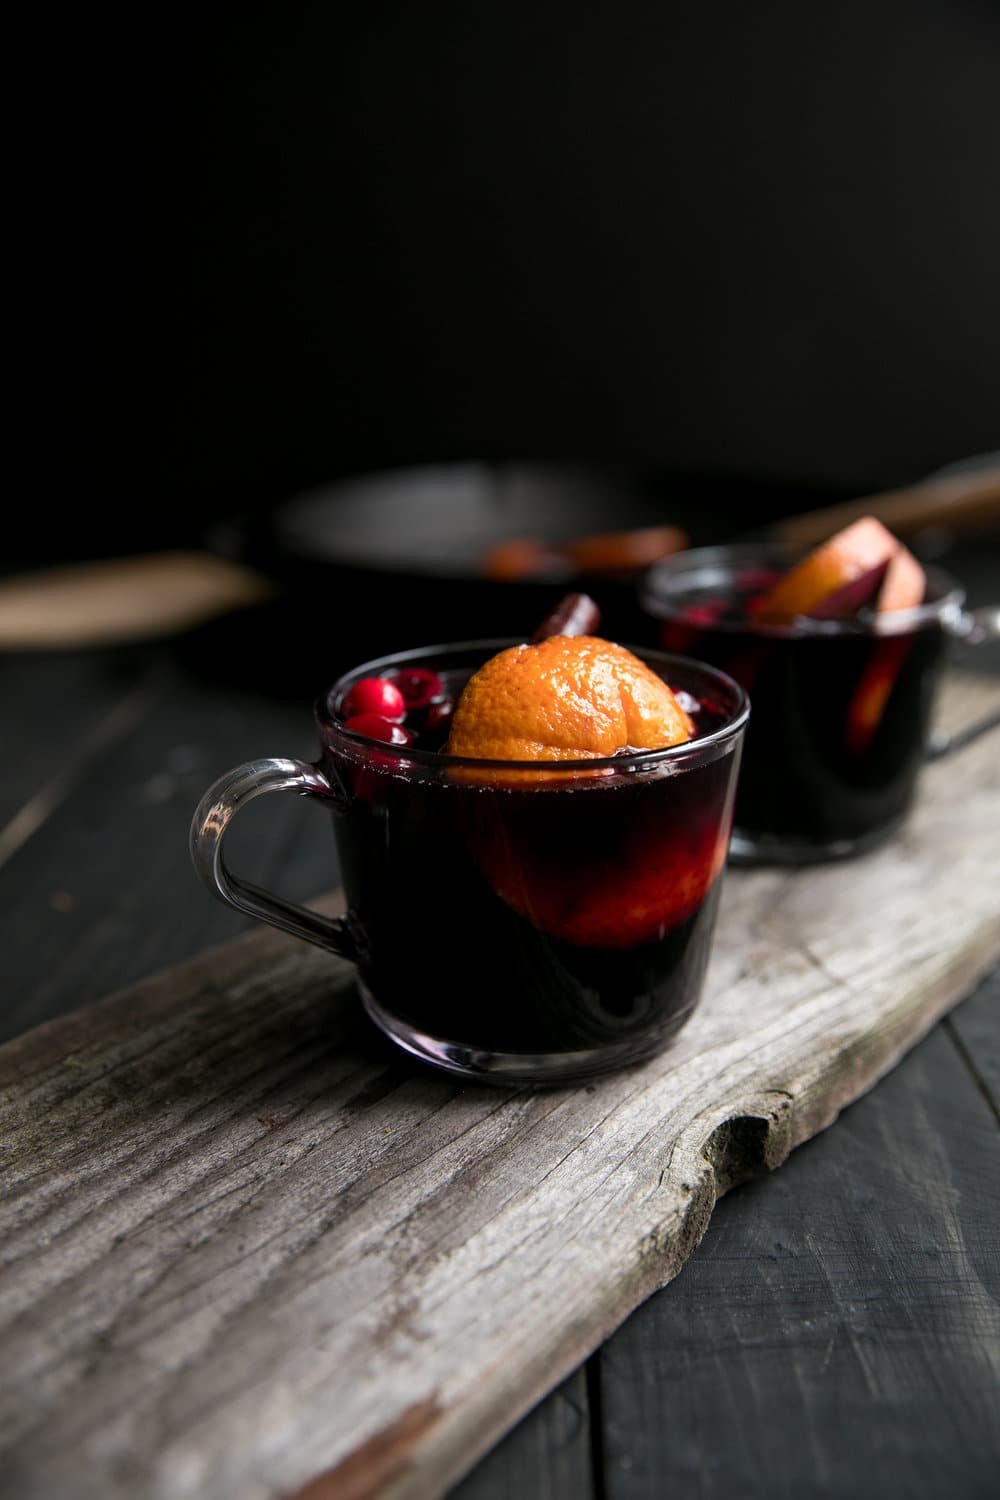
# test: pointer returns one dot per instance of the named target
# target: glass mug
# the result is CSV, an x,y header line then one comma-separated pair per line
x,y
841,708
570,906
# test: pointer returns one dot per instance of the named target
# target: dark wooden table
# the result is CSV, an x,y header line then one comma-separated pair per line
x,y
837,1332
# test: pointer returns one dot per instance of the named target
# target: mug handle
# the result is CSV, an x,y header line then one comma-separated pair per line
x,y
971,628
216,811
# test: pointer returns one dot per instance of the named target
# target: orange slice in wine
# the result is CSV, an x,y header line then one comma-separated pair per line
x,y
565,698
837,579
904,584
903,587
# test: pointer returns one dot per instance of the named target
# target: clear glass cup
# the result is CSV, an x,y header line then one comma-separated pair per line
x,y
841,708
513,921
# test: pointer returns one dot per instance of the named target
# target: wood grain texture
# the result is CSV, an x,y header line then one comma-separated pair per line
x,y
845,1343
244,1245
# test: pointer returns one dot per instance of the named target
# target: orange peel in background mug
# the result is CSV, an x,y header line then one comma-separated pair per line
x,y
845,574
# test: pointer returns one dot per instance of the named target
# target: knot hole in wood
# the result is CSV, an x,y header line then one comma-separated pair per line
x,y
739,1149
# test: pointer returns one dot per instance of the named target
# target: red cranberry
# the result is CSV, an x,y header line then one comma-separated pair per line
x,y
419,687
375,697
439,715
377,727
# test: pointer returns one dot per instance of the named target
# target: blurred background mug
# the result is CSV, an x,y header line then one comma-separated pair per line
x,y
840,709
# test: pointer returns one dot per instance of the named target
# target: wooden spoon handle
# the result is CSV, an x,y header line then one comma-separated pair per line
x,y
122,599
960,501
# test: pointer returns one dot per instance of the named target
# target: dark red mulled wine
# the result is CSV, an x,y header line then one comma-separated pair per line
x,y
841,708
522,921
532,920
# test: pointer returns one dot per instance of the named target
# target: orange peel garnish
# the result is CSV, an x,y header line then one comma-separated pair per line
x,y
566,698
850,570
904,584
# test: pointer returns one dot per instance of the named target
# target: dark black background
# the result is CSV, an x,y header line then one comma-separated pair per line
x,y
260,247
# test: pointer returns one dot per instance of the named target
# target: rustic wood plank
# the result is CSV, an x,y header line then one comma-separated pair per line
x,y
838,1332
247,1249
650,1358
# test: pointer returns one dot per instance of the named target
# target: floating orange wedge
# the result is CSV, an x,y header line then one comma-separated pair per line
x,y
566,698
862,565
579,698
631,896
904,584
875,685
903,587
844,574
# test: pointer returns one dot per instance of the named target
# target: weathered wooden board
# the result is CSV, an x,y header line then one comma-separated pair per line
x,y
838,1331
248,1251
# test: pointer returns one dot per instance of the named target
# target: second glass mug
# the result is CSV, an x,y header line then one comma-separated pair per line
x,y
524,921
841,708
